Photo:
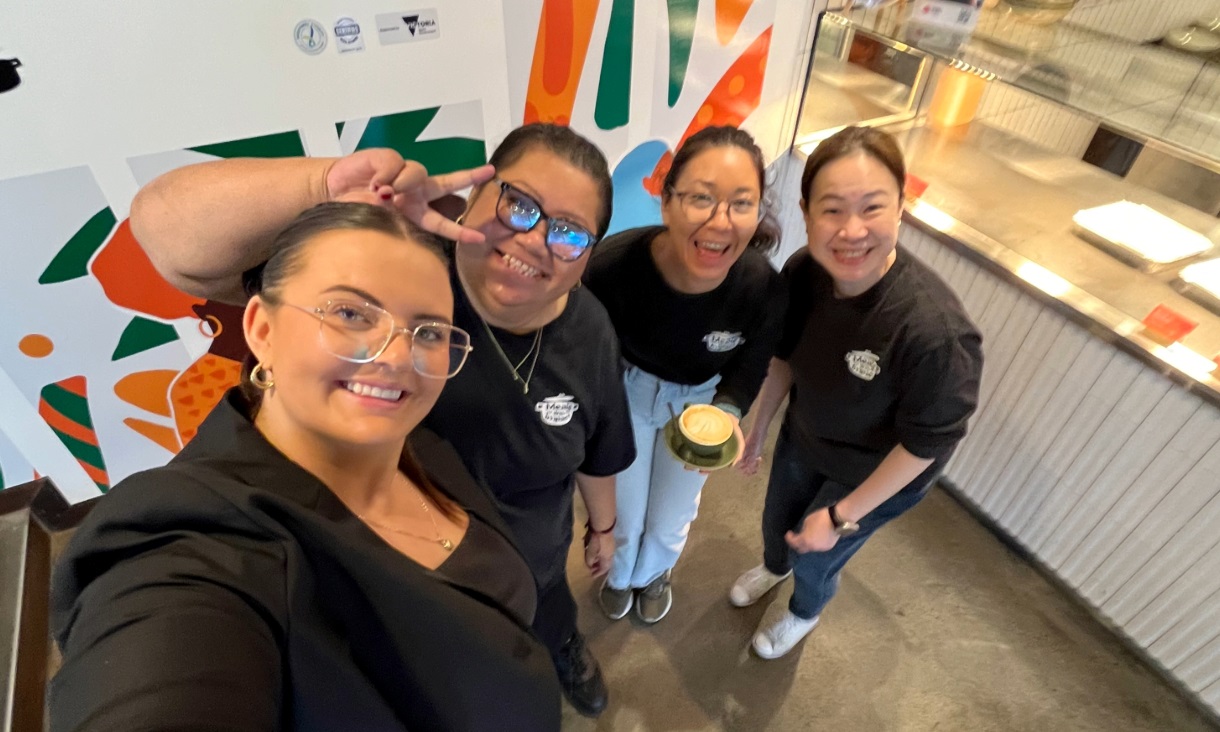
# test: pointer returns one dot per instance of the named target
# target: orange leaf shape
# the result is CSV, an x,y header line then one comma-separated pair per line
x,y
129,279
734,98
148,390
160,434
564,32
729,14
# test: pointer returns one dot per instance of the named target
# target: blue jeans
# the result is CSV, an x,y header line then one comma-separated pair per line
x,y
658,497
797,488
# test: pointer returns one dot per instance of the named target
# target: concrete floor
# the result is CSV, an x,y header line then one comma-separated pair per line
x,y
937,626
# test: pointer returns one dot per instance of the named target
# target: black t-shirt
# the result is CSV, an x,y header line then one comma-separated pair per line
x,y
688,339
526,448
898,364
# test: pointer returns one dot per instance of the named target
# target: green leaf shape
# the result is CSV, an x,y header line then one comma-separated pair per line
x,y
614,87
72,261
142,334
400,132
279,145
682,14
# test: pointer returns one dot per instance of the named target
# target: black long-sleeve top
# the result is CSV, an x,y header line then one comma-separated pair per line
x,y
232,590
687,339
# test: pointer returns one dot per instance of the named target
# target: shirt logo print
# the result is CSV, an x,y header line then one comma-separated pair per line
x,y
720,341
557,410
863,364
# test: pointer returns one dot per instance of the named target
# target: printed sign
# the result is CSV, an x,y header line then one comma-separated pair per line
x,y
1168,323
408,26
310,36
347,36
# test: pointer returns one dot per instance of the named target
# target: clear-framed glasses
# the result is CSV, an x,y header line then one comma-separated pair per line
x,y
700,206
518,211
359,332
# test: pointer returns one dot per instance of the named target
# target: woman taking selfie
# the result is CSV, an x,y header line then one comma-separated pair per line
x,y
697,308
540,406
880,365
295,566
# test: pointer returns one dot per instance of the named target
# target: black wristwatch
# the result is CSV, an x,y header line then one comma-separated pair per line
x,y
842,528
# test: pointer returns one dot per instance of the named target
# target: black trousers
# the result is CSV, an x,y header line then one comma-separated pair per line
x,y
555,619
541,522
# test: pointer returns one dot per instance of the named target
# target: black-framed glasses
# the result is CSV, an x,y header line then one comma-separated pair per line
x,y
359,332
566,241
700,206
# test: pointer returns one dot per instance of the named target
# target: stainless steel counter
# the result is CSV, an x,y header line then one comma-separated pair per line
x,y
1006,202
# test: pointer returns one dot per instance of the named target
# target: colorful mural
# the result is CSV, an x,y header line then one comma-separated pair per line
x,y
443,139
106,369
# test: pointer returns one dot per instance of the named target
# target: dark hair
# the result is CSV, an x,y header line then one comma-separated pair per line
x,y
878,145
286,259
286,251
567,144
766,236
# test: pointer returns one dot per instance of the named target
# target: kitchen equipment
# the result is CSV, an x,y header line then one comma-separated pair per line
x,y
1139,234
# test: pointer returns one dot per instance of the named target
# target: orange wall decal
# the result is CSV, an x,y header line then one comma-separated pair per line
x,y
734,98
729,14
564,32
36,345
130,280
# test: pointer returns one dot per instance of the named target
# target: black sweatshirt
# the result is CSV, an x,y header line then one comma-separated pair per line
x,y
898,364
687,339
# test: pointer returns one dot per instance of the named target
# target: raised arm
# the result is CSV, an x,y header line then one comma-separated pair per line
x,y
203,225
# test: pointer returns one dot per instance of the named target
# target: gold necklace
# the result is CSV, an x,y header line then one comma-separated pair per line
x,y
535,349
445,544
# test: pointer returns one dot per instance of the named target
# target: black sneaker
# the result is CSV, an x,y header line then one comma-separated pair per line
x,y
581,677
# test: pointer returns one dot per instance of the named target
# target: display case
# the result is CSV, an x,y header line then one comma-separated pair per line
x,y
1066,185
1090,162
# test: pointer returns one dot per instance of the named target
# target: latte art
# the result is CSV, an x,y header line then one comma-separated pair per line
x,y
706,425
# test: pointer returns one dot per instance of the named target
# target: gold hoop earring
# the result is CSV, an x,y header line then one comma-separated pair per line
x,y
460,219
261,377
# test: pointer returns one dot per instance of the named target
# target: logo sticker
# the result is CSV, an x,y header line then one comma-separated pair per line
x,y
863,364
557,410
310,36
407,27
719,341
347,35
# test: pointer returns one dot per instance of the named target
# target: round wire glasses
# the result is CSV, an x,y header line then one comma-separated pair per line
x,y
699,206
359,332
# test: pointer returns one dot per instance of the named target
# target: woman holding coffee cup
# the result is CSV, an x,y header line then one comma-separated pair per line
x,y
881,367
697,307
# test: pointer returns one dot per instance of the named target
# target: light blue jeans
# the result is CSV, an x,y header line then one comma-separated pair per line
x,y
658,497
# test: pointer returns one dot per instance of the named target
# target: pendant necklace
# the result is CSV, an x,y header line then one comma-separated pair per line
x,y
534,350
444,543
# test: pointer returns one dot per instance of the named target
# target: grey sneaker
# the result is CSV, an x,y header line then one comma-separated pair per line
x,y
655,599
615,603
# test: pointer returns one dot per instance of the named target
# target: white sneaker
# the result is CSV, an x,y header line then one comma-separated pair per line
x,y
774,640
753,584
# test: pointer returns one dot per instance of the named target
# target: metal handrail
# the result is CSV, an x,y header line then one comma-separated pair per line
x,y
32,518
